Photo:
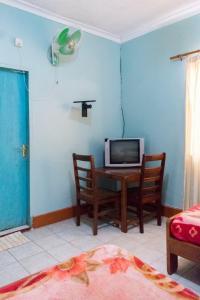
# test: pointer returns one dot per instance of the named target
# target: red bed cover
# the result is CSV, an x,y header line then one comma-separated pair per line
x,y
186,225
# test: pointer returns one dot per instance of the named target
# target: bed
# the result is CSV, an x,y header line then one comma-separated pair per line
x,y
183,237
105,273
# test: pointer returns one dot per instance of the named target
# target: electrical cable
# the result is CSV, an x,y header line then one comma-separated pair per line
x,y
121,98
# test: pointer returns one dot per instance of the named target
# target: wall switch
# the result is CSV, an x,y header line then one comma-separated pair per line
x,y
18,43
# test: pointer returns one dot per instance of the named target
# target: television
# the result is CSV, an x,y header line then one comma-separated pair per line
x,y
126,152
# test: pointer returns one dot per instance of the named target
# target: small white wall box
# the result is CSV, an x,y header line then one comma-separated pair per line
x,y
18,43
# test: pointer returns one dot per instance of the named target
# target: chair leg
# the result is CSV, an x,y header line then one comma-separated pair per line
x,y
95,218
78,213
118,212
159,218
140,216
90,212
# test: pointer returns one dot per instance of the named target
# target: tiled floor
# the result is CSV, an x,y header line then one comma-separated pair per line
x,y
57,242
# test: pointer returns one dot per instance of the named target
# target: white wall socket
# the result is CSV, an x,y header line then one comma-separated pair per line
x,y
18,43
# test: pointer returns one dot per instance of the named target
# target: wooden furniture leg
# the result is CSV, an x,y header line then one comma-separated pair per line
x,y
124,205
78,212
172,263
172,259
159,218
95,219
140,215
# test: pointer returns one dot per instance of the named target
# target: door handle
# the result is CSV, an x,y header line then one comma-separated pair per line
x,y
24,150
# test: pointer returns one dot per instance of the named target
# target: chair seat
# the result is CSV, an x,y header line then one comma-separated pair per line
x,y
102,195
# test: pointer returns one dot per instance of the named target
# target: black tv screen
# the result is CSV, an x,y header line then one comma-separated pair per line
x,y
124,151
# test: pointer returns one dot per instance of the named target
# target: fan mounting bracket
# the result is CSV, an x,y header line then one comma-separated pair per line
x,y
85,106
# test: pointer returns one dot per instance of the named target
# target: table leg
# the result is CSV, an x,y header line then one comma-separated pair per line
x,y
123,205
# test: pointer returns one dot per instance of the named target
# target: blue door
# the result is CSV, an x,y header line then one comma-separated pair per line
x,y
14,174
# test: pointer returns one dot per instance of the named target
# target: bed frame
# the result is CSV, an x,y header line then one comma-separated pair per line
x,y
177,248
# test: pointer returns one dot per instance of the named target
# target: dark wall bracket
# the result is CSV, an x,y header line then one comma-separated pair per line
x,y
85,106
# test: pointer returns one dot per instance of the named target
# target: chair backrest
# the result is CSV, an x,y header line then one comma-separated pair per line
x,y
151,179
84,173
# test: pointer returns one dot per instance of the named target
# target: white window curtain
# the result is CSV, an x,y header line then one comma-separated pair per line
x,y
192,133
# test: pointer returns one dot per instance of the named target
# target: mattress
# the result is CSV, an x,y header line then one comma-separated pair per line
x,y
186,226
105,273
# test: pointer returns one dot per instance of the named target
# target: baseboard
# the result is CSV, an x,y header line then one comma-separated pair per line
x,y
69,212
168,211
53,217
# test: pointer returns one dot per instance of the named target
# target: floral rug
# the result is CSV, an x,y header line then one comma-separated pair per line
x,y
105,273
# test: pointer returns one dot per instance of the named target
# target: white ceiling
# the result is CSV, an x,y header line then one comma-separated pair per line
x,y
121,19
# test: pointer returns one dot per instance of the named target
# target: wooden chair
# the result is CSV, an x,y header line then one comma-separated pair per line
x,y
149,191
99,200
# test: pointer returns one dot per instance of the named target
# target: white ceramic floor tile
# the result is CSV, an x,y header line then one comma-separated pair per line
x,y
146,255
153,227
50,242
108,234
39,233
175,277
86,227
125,242
58,242
25,250
38,262
156,244
64,252
11,273
145,239
72,234
86,243
160,265
6,258
71,222
60,226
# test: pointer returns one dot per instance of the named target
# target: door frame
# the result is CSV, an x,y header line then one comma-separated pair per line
x,y
26,71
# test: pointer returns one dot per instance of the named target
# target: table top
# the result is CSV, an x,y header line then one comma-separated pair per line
x,y
129,174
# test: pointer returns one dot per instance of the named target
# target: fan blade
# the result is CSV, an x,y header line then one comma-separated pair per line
x,y
65,50
55,59
52,56
63,38
76,36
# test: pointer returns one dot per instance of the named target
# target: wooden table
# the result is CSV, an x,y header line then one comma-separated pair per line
x,y
124,175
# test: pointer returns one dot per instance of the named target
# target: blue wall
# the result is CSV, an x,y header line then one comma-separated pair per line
x,y
153,99
154,96
56,128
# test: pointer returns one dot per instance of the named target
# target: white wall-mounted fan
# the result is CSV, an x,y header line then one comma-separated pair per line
x,y
64,44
